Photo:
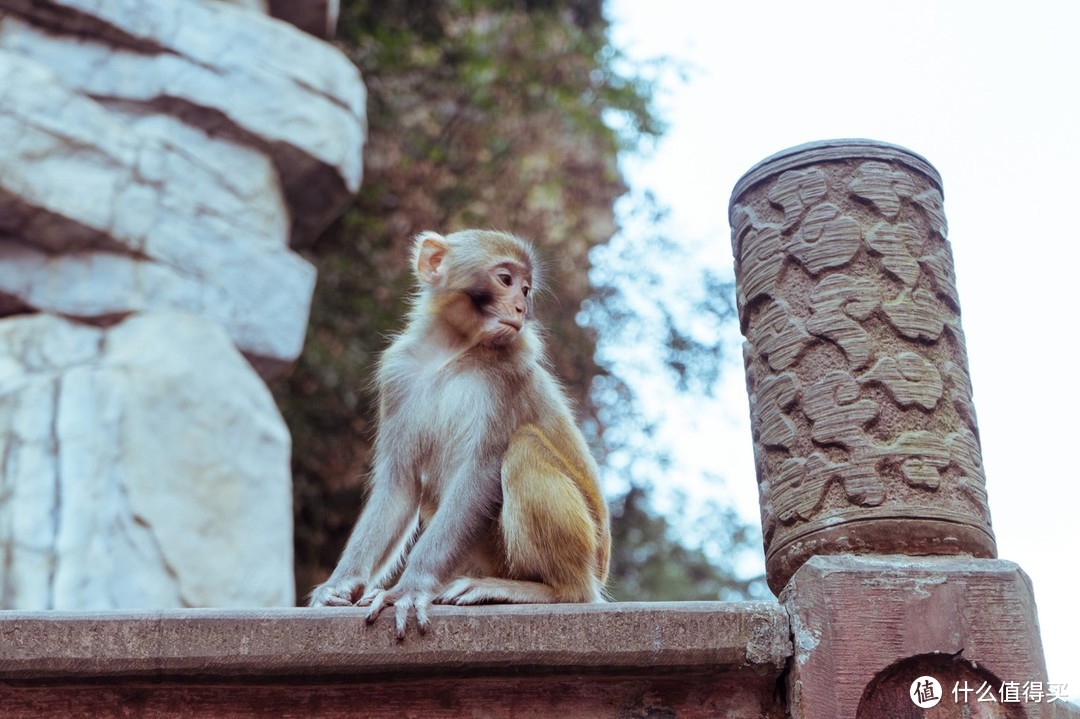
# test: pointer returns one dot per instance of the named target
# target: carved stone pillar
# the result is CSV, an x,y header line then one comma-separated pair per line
x,y
864,430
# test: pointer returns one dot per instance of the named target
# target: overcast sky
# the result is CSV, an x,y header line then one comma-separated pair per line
x,y
987,91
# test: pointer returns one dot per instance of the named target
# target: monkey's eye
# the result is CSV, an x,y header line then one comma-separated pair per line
x,y
506,279
525,290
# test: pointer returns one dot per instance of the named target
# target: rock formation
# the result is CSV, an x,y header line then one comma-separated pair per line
x,y
157,161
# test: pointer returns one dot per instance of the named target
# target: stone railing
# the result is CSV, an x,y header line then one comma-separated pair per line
x,y
693,659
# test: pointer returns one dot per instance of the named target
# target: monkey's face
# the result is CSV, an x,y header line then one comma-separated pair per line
x,y
477,282
504,302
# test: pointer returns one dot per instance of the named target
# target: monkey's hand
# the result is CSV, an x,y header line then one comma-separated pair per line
x,y
408,597
336,593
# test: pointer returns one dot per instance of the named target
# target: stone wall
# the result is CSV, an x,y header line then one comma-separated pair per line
x,y
157,160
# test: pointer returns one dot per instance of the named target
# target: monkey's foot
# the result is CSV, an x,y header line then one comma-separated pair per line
x,y
335,594
465,590
490,590
406,601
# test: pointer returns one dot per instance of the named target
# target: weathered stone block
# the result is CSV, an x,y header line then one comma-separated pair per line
x,y
865,628
134,481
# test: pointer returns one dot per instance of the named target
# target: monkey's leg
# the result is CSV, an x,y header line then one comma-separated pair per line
x,y
549,534
377,543
469,496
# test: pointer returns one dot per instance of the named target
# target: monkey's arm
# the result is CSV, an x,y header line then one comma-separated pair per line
x,y
378,541
468,504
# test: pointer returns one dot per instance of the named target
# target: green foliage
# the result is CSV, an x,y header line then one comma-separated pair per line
x,y
652,561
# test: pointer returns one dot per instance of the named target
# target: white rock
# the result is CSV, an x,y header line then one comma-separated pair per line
x,y
223,68
156,159
145,223
133,481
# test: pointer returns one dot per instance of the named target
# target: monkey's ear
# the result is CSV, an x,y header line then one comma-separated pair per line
x,y
431,249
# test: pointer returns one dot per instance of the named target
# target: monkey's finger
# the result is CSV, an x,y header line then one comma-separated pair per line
x,y
422,603
377,604
401,616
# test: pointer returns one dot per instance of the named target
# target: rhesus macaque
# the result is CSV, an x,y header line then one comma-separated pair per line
x,y
483,489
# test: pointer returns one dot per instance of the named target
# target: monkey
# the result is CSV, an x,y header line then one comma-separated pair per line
x,y
482,488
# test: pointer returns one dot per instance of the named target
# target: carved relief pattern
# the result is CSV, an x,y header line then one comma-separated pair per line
x,y
859,390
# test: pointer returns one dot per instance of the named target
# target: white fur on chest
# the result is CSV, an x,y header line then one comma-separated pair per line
x,y
447,410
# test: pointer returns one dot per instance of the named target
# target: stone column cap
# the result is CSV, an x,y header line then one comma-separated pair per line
x,y
832,150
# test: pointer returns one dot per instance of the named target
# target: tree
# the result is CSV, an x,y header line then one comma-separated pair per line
x,y
653,560
490,113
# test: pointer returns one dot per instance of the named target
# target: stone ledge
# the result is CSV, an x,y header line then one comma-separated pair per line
x,y
246,645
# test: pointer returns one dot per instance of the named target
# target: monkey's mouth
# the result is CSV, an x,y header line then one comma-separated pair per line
x,y
504,333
